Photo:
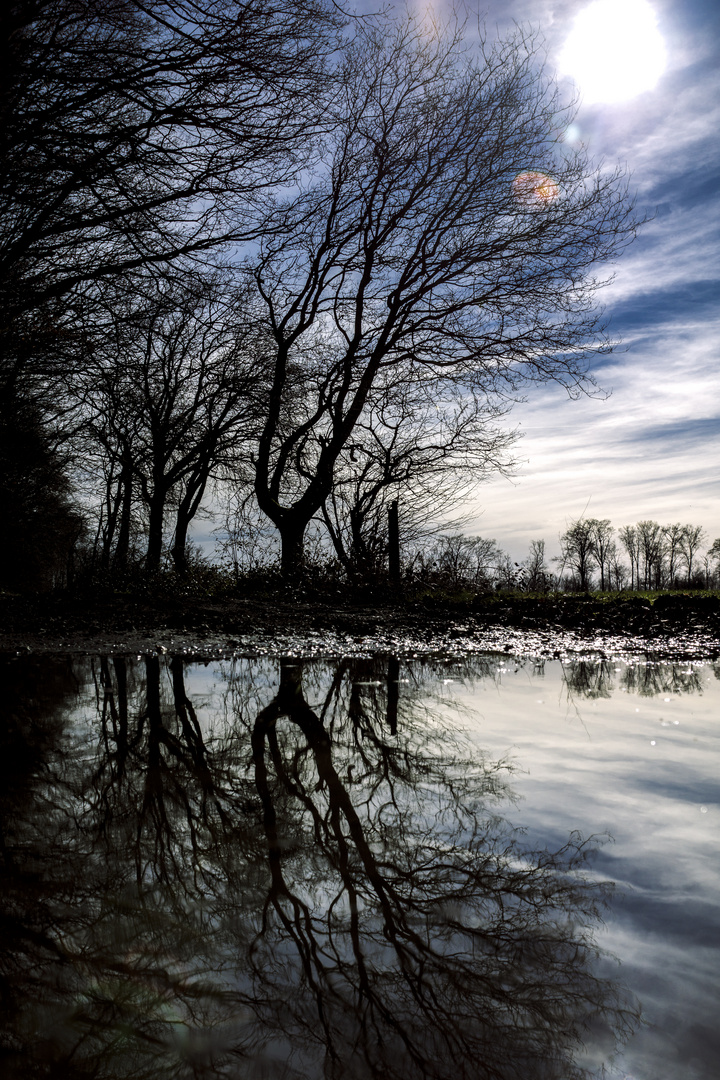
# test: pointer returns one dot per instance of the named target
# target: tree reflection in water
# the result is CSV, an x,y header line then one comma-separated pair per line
x,y
315,883
597,678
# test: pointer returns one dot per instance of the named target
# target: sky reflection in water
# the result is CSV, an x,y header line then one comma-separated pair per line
x,y
357,868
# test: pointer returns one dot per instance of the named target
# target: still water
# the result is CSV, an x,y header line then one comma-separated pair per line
x,y
463,869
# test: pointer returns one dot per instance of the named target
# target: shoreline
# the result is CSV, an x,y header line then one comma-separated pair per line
x,y
680,626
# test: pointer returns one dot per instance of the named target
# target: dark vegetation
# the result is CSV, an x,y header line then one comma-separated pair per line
x,y
450,582
208,606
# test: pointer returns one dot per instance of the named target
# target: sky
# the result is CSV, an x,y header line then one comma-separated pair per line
x,y
649,447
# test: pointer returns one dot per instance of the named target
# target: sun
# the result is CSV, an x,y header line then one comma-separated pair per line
x,y
614,50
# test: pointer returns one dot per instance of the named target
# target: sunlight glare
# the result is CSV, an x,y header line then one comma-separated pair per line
x,y
534,188
614,51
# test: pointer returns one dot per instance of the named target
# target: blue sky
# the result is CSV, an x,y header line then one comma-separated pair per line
x,y
651,449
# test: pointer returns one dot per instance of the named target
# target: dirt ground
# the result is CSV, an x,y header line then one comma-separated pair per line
x,y
674,625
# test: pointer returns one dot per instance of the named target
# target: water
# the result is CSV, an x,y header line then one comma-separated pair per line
x,y
463,868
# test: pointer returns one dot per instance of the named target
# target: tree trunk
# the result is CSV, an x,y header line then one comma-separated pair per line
x,y
186,511
122,547
106,529
292,550
155,531
179,548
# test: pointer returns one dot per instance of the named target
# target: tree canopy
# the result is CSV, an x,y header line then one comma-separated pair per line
x,y
393,212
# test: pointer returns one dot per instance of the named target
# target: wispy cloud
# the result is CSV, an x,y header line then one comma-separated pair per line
x,y
652,448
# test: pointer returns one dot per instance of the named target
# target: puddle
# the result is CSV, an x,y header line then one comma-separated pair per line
x,y
456,864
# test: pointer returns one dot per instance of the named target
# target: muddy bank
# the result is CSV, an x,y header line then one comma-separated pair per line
x,y
671,625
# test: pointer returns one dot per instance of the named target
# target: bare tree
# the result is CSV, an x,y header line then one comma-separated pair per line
x,y
170,399
629,539
460,562
693,538
508,573
656,550
604,547
618,573
577,550
651,550
445,234
424,452
105,446
673,535
537,571
137,134
246,540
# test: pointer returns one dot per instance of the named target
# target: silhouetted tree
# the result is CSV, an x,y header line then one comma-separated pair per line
x,y
169,397
577,547
424,452
443,236
618,569
537,571
673,535
693,537
508,574
138,134
651,551
629,539
603,546
459,562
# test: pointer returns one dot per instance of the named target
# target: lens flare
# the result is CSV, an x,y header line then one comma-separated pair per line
x,y
534,188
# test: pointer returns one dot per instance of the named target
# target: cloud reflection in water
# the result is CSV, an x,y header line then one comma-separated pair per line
x,y
312,878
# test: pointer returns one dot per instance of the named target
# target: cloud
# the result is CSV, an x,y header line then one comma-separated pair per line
x,y
650,450
675,251
588,764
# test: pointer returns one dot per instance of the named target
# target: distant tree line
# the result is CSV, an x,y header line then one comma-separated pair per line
x,y
275,262
657,556
644,556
